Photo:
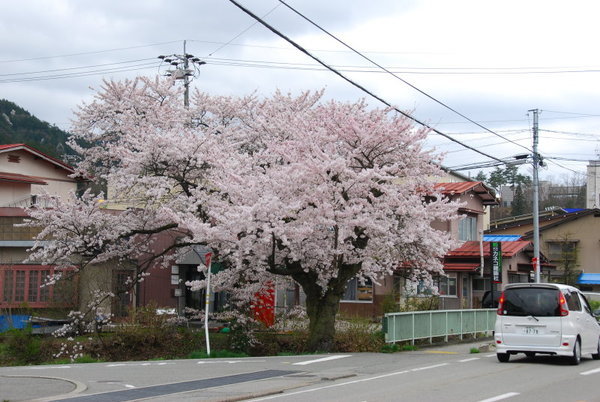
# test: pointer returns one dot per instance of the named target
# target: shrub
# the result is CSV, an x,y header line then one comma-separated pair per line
x,y
358,335
21,347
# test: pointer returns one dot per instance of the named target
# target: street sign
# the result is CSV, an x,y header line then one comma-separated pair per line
x,y
496,253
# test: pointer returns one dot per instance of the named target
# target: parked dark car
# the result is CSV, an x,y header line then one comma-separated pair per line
x,y
486,302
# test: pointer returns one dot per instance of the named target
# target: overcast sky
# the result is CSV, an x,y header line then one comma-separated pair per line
x,y
492,61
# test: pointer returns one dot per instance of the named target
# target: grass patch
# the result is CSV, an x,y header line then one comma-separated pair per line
x,y
394,347
474,350
197,354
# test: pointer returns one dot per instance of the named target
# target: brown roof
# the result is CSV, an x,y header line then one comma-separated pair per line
x,y
461,266
39,154
20,178
484,192
471,249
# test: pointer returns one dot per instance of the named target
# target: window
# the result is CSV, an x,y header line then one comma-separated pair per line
x,y
23,284
467,228
539,302
561,250
447,285
481,284
573,302
357,291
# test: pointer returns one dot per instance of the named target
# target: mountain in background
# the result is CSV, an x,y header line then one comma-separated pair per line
x,y
18,126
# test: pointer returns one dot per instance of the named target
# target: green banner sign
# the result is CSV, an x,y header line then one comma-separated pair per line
x,y
496,254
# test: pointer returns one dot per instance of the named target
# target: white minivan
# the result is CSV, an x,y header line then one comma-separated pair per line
x,y
545,318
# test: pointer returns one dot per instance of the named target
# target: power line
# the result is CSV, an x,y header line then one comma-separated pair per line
x,y
137,67
86,53
242,32
300,48
75,68
400,78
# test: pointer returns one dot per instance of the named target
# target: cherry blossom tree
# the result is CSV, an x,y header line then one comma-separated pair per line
x,y
317,191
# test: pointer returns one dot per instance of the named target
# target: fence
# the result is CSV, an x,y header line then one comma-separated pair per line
x,y
437,323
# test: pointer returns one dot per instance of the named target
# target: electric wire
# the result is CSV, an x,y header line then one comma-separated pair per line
x,y
400,78
300,48
243,32
87,53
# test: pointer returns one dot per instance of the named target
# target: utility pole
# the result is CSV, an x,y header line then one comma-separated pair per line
x,y
536,202
182,70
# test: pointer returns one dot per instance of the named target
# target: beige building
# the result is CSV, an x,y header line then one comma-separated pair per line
x,y
571,238
24,174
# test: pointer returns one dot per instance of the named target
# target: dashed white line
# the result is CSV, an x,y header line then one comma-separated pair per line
x,y
229,361
594,371
491,355
429,367
500,397
468,360
323,359
348,382
48,367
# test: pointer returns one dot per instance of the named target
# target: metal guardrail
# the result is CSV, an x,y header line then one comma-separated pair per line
x,y
437,323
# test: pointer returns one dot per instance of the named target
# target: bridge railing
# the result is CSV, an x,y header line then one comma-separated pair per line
x,y
411,326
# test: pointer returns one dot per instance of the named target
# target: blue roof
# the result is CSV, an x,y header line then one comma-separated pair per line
x,y
589,279
571,210
501,237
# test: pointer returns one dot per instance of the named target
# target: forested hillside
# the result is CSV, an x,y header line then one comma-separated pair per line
x,y
19,126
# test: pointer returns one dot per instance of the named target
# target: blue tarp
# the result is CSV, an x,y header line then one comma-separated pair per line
x,y
589,279
13,321
491,237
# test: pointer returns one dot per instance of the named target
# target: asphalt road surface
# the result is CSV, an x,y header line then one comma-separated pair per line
x,y
446,373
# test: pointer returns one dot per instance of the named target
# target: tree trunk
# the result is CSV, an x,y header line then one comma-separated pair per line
x,y
321,313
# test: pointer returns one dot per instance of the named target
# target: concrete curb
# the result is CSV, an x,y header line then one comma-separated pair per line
x,y
79,387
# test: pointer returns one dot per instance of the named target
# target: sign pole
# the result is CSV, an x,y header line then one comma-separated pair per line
x,y
496,255
208,263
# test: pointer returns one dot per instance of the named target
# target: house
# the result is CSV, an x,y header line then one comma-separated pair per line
x,y
568,237
456,289
24,173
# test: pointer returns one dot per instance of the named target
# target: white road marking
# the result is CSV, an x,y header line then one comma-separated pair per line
x,y
429,367
492,355
48,367
129,386
229,361
348,382
594,371
323,359
468,360
500,397
137,364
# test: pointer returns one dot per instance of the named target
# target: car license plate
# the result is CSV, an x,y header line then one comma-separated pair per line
x,y
531,330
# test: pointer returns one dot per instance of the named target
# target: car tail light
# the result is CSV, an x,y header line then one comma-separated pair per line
x,y
500,304
562,302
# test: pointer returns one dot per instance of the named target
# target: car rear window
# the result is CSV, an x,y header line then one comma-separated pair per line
x,y
539,302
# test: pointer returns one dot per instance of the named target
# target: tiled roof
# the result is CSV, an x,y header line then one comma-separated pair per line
x,y
20,178
471,249
487,195
461,266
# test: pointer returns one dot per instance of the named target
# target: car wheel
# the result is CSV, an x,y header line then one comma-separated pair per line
x,y
503,357
531,355
576,358
596,356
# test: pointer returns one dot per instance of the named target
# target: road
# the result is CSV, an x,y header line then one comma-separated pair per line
x,y
446,373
